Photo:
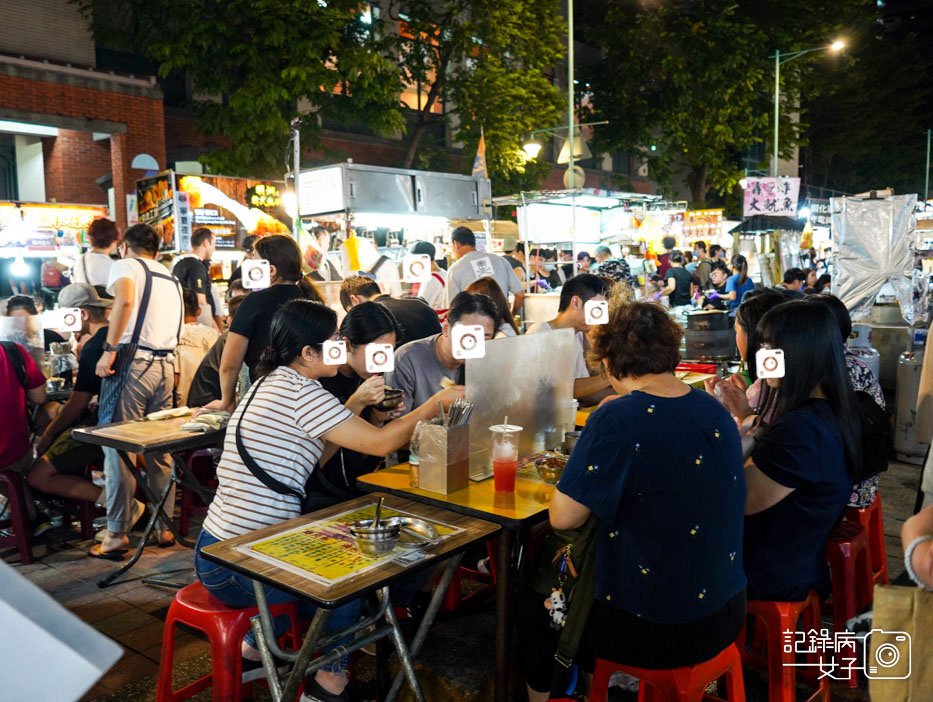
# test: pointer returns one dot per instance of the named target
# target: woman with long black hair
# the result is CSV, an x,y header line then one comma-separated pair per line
x,y
368,323
283,427
738,283
799,474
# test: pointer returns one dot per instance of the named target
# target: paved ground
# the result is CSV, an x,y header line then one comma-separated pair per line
x,y
458,659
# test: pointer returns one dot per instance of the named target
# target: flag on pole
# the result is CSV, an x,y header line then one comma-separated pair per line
x,y
479,163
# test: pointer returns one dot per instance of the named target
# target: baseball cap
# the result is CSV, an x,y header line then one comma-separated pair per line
x,y
509,243
81,295
424,247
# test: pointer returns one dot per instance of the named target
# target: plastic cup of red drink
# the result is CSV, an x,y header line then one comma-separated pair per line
x,y
504,453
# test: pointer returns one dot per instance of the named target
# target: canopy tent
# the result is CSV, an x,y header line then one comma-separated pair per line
x,y
767,223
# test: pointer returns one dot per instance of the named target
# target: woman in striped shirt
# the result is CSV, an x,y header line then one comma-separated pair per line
x,y
288,423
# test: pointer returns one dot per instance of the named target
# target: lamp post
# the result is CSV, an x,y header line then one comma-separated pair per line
x,y
532,147
780,58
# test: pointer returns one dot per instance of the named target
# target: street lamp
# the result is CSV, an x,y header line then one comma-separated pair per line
x,y
532,147
780,58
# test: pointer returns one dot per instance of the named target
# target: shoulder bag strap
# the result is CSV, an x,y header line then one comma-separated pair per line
x,y
143,303
251,465
581,599
87,278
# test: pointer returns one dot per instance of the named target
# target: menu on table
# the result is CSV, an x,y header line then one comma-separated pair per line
x,y
324,551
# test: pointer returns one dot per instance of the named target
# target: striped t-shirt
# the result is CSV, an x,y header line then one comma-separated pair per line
x,y
281,432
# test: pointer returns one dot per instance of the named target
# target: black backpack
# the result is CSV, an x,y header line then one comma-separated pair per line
x,y
877,437
15,354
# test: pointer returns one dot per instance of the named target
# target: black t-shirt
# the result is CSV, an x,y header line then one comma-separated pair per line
x,y
784,544
682,280
50,337
416,318
88,380
253,318
345,466
205,385
194,274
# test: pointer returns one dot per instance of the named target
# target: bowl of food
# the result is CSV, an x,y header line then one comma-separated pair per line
x,y
390,401
54,384
375,540
550,466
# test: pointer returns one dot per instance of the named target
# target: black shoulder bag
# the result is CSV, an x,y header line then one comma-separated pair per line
x,y
254,468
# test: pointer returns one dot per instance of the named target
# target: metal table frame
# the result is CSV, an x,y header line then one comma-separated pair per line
x,y
156,503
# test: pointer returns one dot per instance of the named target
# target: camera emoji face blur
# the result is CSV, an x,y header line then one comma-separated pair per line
x,y
887,655
596,312
468,341
256,274
416,268
380,358
334,353
770,363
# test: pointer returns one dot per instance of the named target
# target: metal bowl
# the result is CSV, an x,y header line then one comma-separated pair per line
x,y
376,541
551,467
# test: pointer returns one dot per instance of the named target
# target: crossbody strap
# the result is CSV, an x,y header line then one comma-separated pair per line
x,y
251,465
143,303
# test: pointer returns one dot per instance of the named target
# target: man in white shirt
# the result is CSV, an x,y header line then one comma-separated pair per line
x,y
138,376
573,297
472,265
434,290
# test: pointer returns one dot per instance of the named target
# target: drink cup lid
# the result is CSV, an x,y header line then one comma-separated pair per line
x,y
505,428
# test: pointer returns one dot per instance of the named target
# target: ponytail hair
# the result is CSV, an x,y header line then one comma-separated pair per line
x,y
297,323
367,322
310,290
740,265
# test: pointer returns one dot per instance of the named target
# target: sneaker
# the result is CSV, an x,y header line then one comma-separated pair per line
x,y
139,509
315,693
624,681
40,524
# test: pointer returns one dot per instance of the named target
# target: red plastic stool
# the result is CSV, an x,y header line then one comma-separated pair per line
x,y
18,520
776,618
872,520
686,684
225,627
850,567
454,599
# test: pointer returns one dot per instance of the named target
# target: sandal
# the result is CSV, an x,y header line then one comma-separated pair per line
x,y
315,693
115,555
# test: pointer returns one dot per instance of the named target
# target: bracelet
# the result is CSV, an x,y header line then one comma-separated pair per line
x,y
909,554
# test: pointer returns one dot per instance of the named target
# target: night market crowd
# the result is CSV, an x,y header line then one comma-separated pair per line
x,y
686,531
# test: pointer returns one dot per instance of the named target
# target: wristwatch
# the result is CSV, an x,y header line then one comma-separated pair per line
x,y
109,348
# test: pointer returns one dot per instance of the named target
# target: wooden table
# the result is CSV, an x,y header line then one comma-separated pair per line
x,y
329,596
145,436
515,512
694,380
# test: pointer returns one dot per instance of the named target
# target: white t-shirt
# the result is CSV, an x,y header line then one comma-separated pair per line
x,y
165,314
434,291
504,331
476,265
282,433
580,369
92,268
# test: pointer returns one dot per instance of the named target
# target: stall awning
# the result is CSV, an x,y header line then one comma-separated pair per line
x,y
766,223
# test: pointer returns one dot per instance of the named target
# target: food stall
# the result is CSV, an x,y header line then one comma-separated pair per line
x,y
383,211
176,204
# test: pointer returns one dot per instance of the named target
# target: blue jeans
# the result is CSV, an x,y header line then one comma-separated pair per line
x,y
236,590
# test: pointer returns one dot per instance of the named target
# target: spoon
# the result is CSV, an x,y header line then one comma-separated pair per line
x,y
378,512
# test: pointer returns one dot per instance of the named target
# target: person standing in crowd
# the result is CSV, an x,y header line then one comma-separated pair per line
x,y
738,283
811,280
62,460
567,264
538,276
792,287
669,579
434,290
584,262
615,268
471,264
205,385
193,271
571,315
557,276
193,345
677,288
664,260
326,270
823,284
286,424
800,472
702,266
717,254
505,324
136,366
359,390
248,245
424,366
713,298
248,335
25,306
93,267
514,253
415,319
